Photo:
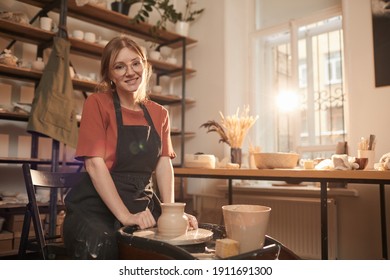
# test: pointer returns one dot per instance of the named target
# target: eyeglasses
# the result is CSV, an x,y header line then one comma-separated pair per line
x,y
122,68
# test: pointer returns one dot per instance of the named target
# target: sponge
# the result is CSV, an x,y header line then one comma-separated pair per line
x,y
226,247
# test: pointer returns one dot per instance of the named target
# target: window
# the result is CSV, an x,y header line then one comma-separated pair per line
x,y
301,65
333,68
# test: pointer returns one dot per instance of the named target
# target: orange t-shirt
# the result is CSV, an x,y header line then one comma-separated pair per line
x,y
98,128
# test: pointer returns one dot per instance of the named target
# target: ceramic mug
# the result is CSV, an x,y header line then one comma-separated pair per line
x,y
78,34
90,37
370,154
46,23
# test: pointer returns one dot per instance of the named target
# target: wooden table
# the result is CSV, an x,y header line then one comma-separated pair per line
x,y
324,177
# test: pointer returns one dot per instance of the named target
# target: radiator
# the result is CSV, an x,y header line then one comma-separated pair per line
x,y
296,222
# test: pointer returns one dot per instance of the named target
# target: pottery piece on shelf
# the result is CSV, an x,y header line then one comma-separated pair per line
x,y
166,51
182,28
46,23
155,55
172,60
78,34
17,17
90,37
157,89
38,64
8,58
121,7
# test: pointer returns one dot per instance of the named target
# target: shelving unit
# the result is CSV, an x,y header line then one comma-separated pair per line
x,y
107,19
111,20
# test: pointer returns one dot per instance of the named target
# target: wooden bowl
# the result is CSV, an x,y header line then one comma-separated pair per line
x,y
276,160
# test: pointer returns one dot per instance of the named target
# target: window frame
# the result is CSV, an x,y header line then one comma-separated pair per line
x,y
262,103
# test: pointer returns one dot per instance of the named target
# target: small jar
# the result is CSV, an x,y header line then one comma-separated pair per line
x,y
38,64
172,222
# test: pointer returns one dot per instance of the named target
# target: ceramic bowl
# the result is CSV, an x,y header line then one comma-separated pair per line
x,y
276,160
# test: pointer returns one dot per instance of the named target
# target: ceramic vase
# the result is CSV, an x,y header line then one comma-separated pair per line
x,y
121,7
38,64
236,155
182,28
172,222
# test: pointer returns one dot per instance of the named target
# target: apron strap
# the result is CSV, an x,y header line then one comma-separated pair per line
x,y
118,111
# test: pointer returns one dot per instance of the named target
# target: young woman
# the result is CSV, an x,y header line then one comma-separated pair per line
x,y
123,139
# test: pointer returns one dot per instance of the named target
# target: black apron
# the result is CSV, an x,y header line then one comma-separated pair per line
x,y
89,226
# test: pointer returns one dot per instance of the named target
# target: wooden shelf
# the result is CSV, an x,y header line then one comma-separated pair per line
x,y
20,73
86,49
25,32
24,118
164,68
169,99
31,75
118,22
101,17
13,116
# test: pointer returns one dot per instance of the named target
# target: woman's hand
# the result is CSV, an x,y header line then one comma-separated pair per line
x,y
143,219
192,221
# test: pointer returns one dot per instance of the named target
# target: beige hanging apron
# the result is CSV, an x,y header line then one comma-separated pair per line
x,y
53,107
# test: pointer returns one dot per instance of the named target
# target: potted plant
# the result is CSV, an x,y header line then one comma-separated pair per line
x,y
167,12
164,8
182,20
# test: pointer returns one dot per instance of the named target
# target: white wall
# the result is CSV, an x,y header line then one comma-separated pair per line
x,y
279,11
367,115
367,105
358,217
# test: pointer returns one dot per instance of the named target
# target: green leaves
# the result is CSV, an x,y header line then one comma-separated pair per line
x,y
166,11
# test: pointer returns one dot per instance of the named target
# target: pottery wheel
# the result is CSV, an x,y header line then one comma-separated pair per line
x,y
196,236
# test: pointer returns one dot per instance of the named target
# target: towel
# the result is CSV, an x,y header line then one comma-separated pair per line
x,y
384,163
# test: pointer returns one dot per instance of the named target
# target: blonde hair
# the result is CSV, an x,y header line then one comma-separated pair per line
x,y
109,55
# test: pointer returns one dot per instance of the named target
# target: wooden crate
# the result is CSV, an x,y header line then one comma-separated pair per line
x,y
14,222
6,239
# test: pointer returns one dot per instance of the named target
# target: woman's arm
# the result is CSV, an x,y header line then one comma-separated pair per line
x,y
165,179
104,185
166,185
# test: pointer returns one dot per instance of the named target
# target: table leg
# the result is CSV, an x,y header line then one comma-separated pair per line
x,y
383,220
324,221
230,191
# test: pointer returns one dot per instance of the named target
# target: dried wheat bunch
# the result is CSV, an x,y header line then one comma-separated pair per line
x,y
213,126
237,126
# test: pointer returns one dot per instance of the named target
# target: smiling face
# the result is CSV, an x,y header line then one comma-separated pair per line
x,y
124,68
127,71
